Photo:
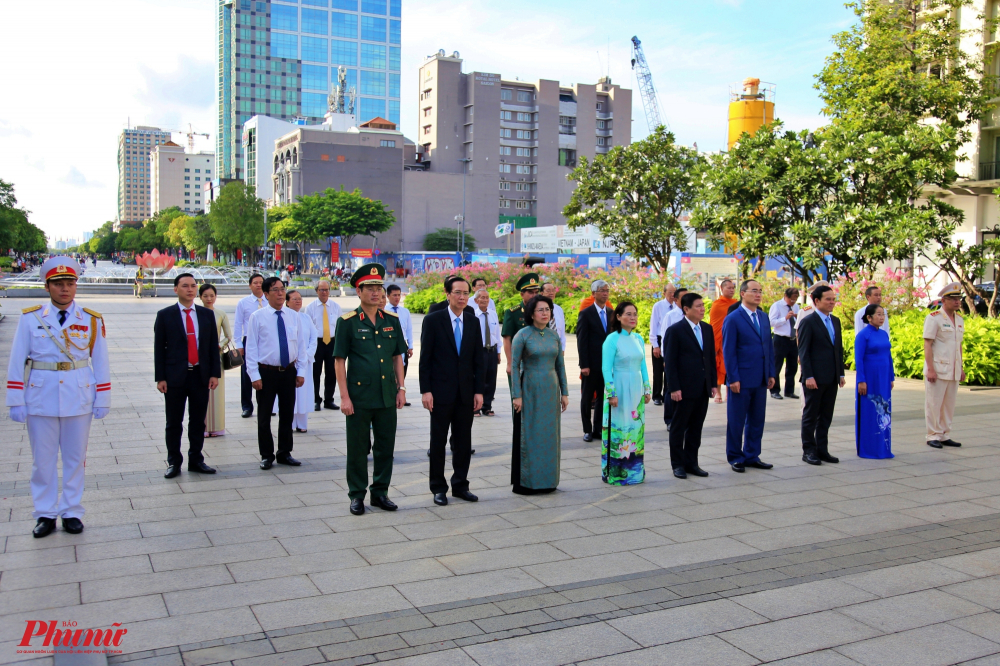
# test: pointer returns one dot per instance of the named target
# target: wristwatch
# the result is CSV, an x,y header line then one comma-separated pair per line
x,y
401,388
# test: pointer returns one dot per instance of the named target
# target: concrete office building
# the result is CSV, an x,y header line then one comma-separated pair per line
x,y
279,59
513,141
177,177
134,147
369,157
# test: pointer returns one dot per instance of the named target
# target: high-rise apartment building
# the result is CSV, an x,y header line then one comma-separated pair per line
x,y
507,144
134,147
177,177
279,58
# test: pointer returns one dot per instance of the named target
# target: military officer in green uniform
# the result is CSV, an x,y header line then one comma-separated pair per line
x,y
368,351
513,321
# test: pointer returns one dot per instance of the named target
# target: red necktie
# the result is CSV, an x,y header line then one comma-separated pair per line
x,y
192,342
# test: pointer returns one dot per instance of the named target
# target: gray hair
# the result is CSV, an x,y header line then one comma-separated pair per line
x,y
481,290
597,284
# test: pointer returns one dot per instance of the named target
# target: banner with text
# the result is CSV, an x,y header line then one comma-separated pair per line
x,y
563,240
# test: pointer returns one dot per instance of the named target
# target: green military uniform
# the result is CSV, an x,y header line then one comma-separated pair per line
x,y
513,321
368,348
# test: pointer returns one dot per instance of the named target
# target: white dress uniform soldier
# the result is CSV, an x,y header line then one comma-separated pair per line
x,y
58,379
943,368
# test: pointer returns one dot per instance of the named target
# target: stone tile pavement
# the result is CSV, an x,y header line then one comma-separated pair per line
x,y
870,562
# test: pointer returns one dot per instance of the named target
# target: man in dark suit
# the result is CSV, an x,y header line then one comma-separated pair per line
x,y
689,356
821,352
186,366
748,354
592,328
451,388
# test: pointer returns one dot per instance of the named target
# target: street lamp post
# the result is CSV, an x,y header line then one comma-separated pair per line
x,y
465,170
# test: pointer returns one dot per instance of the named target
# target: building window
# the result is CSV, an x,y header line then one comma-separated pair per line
x,y
387,143
314,77
284,46
600,106
372,83
504,185
522,204
373,56
504,203
315,21
394,85
344,25
505,94
427,112
504,168
504,133
343,53
600,124
600,141
349,5
523,169
395,8
370,108
506,115
425,95
187,170
505,150
315,49
523,117
523,152
373,7
395,34
394,58
314,104
187,186
523,96
284,17
197,171
373,29
394,111
427,129
523,187
187,177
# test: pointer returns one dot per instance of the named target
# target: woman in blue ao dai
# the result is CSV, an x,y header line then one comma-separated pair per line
x,y
875,381
626,393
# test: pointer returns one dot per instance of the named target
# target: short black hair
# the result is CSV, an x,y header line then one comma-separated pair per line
x,y
450,283
477,279
208,286
792,292
818,292
177,280
252,277
270,282
391,288
746,284
870,312
688,300
288,294
869,290
723,283
529,308
448,280
679,290
616,325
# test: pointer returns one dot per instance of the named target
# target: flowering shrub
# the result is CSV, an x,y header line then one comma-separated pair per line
x,y
899,294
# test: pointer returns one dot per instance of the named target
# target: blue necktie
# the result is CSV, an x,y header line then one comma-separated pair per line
x,y
829,328
753,318
395,309
458,335
697,334
282,341
604,320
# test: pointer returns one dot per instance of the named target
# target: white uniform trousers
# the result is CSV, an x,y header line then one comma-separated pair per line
x,y
939,408
50,436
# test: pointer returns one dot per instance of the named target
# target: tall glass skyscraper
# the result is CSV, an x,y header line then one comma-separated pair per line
x,y
279,58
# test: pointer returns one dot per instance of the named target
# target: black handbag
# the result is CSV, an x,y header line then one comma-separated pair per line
x,y
231,358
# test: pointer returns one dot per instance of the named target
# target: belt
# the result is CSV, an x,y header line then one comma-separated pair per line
x,y
279,368
63,366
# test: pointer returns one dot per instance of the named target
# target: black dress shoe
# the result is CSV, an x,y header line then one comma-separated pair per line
x,y
950,442
44,527
738,467
934,444
829,459
172,471
776,396
266,463
465,495
406,404
587,437
72,525
300,430
697,471
331,405
759,464
201,468
657,402
288,460
357,506
811,459
680,473
792,396
319,406
384,503
247,413
441,499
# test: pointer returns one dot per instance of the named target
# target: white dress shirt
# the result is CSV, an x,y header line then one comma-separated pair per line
x,y
194,318
246,307
669,319
458,318
315,312
660,310
780,325
262,340
696,329
405,322
559,323
759,316
488,321
859,322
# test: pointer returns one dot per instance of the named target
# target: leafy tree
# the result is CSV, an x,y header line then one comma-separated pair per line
x,y
16,232
344,214
636,196
105,244
447,239
283,226
237,219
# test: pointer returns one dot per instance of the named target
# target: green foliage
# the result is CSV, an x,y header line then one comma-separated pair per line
x,y
6,262
344,214
237,219
636,195
16,232
446,239
418,302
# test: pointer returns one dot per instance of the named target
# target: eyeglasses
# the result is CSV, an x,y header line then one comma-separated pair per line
x,y
276,290
754,291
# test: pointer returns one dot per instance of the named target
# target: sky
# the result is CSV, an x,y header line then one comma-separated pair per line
x,y
88,70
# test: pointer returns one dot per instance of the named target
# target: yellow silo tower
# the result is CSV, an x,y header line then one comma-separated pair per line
x,y
751,104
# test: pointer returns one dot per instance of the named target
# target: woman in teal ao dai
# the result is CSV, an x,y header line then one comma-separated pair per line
x,y
540,393
626,393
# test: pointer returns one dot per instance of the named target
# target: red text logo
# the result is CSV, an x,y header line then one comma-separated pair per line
x,y
56,636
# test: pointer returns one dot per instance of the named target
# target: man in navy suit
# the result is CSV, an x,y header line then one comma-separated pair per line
x,y
748,353
451,387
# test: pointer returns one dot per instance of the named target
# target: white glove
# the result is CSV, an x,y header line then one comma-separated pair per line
x,y
101,412
19,414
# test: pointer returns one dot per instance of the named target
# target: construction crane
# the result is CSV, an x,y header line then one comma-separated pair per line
x,y
191,134
646,88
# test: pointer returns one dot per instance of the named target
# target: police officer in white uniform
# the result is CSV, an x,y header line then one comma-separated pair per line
x,y
943,367
58,379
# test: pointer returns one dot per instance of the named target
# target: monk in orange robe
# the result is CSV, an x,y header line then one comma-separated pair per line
x,y
720,308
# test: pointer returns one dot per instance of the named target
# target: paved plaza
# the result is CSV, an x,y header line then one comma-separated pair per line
x,y
867,562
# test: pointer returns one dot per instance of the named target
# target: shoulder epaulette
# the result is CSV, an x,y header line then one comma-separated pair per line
x,y
93,313
935,313
31,309
391,314
349,314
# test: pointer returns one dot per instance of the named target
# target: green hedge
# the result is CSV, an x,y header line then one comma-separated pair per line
x,y
6,262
